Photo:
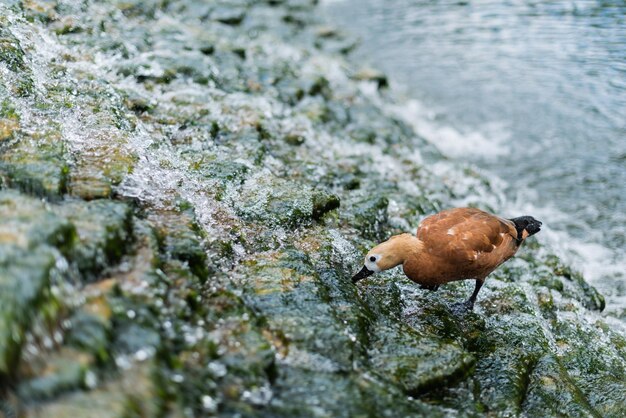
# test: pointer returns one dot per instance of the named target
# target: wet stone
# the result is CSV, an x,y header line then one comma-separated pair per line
x,y
293,305
372,75
304,393
24,280
369,216
223,172
575,285
338,45
180,238
279,202
7,128
102,164
596,369
550,391
90,333
37,165
11,52
228,15
133,393
25,222
104,231
323,203
510,349
59,372
417,363
41,10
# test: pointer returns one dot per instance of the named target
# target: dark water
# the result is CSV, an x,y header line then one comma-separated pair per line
x,y
534,92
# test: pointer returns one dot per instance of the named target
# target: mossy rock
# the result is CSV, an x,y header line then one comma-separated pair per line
x,y
323,203
287,293
416,363
37,166
11,52
40,10
104,233
99,167
598,370
552,392
90,333
24,283
224,173
369,216
575,285
131,393
372,75
222,369
322,392
508,350
179,237
228,15
278,202
61,371
8,127
27,223
256,316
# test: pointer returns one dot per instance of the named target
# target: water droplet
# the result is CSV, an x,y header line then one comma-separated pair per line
x,y
209,404
217,368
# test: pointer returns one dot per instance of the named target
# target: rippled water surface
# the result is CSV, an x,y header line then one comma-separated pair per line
x,y
534,92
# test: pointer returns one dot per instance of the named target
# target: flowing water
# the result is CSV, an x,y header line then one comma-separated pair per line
x,y
531,92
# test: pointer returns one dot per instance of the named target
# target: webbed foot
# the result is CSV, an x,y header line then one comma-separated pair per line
x,y
468,305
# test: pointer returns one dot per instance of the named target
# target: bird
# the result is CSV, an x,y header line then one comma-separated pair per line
x,y
454,244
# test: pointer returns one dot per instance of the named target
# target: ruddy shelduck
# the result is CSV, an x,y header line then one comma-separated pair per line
x,y
455,244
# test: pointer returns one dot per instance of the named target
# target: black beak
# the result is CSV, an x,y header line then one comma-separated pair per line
x,y
362,274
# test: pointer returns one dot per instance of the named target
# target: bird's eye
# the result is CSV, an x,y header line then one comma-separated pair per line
x,y
372,259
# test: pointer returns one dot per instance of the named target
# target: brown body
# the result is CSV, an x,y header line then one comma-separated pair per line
x,y
455,244
461,244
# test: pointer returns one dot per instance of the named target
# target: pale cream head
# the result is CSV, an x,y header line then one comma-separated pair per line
x,y
388,254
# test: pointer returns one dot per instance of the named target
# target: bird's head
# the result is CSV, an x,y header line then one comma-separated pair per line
x,y
386,255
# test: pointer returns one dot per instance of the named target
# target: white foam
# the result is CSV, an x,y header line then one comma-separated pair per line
x,y
487,142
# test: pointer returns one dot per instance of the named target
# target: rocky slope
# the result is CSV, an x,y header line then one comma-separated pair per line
x,y
186,188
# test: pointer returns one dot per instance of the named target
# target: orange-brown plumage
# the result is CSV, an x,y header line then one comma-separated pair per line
x,y
455,244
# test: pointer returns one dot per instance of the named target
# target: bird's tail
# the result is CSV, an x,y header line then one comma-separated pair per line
x,y
528,224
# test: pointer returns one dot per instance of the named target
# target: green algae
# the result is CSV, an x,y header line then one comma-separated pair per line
x,y
104,231
11,52
113,400
62,372
178,236
24,276
37,166
28,223
370,216
551,391
416,363
275,201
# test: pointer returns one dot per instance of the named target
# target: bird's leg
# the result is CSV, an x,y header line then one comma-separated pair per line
x,y
432,287
469,304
